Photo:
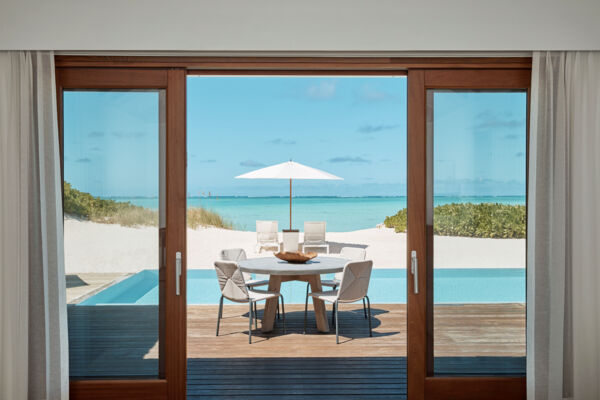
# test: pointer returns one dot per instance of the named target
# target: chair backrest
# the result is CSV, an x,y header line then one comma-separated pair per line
x,y
233,255
355,280
353,253
266,231
314,231
231,281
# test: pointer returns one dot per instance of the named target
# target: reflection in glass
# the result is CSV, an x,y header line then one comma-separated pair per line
x,y
111,221
477,214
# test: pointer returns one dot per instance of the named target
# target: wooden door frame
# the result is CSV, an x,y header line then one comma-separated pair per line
x,y
172,335
326,65
422,71
422,384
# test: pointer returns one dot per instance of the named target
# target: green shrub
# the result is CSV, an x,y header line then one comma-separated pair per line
x,y
398,221
484,220
84,205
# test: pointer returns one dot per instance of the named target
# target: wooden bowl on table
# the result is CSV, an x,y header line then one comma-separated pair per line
x,y
295,257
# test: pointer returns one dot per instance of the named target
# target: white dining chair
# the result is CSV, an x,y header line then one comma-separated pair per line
x,y
314,235
349,253
234,288
239,255
354,287
236,255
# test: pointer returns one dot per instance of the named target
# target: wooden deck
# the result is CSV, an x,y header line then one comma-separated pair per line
x,y
461,330
297,378
469,339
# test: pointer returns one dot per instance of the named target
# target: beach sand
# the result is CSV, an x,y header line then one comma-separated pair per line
x,y
105,248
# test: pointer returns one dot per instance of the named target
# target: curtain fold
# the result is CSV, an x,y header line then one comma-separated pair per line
x,y
33,347
563,282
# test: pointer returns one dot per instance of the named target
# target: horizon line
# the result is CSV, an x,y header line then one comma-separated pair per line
x,y
309,196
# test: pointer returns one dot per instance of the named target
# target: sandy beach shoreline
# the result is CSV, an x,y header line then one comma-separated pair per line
x,y
102,248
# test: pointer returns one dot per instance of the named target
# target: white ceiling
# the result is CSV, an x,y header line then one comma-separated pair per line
x,y
366,26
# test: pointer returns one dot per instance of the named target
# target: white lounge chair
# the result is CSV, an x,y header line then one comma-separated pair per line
x,y
233,287
353,287
267,235
314,235
349,253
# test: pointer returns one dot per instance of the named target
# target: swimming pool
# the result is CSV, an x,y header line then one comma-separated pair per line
x,y
459,285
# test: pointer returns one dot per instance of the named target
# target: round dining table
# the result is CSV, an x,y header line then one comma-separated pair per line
x,y
281,271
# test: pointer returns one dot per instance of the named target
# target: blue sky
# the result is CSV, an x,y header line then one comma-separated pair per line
x,y
353,127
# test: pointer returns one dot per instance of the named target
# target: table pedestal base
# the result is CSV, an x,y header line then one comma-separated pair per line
x,y
271,304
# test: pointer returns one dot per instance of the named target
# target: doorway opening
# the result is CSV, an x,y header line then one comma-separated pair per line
x,y
350,134
472,145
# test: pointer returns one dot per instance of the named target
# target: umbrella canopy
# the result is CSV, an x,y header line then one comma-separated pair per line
x,y
288,170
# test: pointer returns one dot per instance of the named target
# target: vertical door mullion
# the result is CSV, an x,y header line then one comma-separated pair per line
x,y
175,346
416,236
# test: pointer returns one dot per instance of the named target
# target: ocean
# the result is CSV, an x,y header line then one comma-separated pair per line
x,y
342,214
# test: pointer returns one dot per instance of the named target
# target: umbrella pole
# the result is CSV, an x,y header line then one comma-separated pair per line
x,y
290,203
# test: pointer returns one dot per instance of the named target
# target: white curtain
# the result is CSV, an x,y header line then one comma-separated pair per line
x,y
563,282
33,321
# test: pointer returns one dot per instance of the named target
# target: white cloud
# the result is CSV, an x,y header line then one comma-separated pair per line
x,y
322,90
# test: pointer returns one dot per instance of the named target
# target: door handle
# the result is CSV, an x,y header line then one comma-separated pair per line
x,y
177,273
414,269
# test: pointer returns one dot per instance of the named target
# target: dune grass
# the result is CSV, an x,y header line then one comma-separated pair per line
x,y
484,220
83,205
198,216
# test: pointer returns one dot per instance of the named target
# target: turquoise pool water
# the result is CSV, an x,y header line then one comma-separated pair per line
x,y
473,285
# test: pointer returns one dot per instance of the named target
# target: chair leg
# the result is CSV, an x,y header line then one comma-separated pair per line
x,y
283,313
332,308
333,314
337,317
250,324
306,307
255,311
364,308
369,307
255,317
278,317
219,315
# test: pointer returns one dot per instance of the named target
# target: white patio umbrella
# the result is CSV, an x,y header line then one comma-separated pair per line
x,y
288,170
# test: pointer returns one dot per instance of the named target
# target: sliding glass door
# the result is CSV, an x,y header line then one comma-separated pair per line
x,y
119,135
123,138
467,233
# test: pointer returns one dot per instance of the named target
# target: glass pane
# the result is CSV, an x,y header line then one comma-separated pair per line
x,y
112,182
477,211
